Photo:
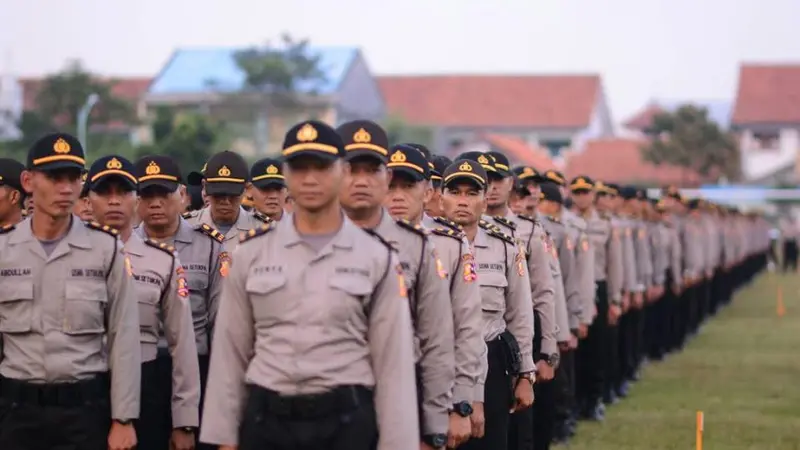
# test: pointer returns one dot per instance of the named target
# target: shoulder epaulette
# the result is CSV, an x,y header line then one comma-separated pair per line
x,y
500,235
7,228
189,214
554,219
528,218
444,231
255,232
447,222
380,239
505,222
261,216
161,246
489,226
211,232
418,229
104,228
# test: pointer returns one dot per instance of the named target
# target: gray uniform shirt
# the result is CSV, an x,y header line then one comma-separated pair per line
x,y
631,272
160,286
70,315
584,265
349,301
607,248
247,220
564,240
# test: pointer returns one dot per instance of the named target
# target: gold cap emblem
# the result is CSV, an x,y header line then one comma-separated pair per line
x,y
307,133
114,164
272,170
483,160
224,171
466,167
83,177
527,171
362,136
398,157
61,146
205,166
152,169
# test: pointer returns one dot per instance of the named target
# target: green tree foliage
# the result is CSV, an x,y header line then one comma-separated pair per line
x,y
400,131
688,138
189,138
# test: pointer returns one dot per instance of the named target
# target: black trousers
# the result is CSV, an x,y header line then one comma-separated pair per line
x,y
497,402
591,358
54,417
790,255
565,388
202,361
544,414
154,427
522,424
612,365
346,422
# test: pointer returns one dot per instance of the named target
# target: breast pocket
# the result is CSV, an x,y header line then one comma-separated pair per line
x,y
267,295
349,296
493,291
16,307
85,307
148,298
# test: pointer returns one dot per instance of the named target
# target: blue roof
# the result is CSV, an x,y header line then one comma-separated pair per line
x,y
201,70
718,110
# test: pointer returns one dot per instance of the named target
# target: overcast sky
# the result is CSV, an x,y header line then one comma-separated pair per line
x,y
643,49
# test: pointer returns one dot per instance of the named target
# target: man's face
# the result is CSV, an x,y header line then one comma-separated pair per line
x,y
532,200
83,209
406,197
605,202
113,203
433,206
159,207
463,202
54,193
9,201
547,207
313,182
224,207
270,199
365,186
583,199
499,191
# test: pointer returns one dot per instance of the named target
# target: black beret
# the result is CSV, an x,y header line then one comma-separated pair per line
x,y
11,173
364,138
551,192
501,163
465,169
267,171
581,183
440,163
408,160
158,170
628,192
111,166
56,151
486,161
556,177
226,174
312,138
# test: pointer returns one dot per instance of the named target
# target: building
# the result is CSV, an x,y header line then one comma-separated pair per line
x,y
555,112
516,150
766,118
719,111
10,107
209,80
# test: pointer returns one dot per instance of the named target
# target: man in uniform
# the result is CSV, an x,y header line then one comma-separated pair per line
x,y
362,196
82,208
12,196
200,249
408,190
170,392
226,175
69,326
608,272
506,303
268,188
433,205
345,380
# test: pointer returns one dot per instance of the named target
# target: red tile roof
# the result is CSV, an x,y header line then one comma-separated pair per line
x,y
644,118
618,160
768,94
519,152
131,89
541,101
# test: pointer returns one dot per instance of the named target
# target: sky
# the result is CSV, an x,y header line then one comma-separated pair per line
x,y
643,49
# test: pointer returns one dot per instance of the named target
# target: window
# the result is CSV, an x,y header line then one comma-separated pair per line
x,y
555,147
766,140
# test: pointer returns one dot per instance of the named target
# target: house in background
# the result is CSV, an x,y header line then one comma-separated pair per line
x,y
10,107
556,112
766,118
206,79
516,150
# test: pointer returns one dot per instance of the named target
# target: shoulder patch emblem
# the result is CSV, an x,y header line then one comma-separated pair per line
x,y
401,281
505,222
224,263
440,270
261,216
161,246
7,228
585,245
255,232
457,235
470,274
447,222
104,228
554,219
188,214
418,229
528,218
211,232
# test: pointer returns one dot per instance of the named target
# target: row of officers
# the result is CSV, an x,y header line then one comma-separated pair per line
x,y
368,297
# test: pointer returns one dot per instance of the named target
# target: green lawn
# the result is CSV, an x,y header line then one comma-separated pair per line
x,y
742,371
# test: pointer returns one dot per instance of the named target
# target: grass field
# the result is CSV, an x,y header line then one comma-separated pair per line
x,y
742,371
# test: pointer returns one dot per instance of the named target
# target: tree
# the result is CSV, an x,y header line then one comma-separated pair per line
x,y
400,131
189,138
688,138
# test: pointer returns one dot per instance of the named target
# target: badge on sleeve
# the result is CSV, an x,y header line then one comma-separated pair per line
x,y
439,266
401,281
470,274
128,266
520,260
224,263
642,233
585,245
570,245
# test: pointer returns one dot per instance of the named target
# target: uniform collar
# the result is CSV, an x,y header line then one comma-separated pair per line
x,y
480,238
134,245
344,238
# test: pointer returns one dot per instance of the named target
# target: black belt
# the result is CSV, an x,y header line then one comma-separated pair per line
x,y
57,394
340,400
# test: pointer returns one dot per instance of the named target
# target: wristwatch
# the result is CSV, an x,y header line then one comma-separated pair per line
x,y
463,409
527,376
187,429
435,440
553,359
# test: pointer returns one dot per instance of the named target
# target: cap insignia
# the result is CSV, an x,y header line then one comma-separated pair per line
x,y
398,157
307,133
272,170
527,171
152,169
114,164
61,146
362,136
466,167
483,159
224,171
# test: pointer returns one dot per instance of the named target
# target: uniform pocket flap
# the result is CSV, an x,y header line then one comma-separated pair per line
x,y
264,285
82,290
12,292
353,285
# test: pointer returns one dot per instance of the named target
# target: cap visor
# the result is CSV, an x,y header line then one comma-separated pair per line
x,y
267,182
408,173
581,191
224,188
465,179
353,154
59,165
125,180
312,154
171,186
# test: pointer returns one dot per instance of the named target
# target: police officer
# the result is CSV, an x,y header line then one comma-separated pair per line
x,y
408,189
225,178
362,197
12,196
204,260
82,208
65,287
506,302
351,365
268,188
433,205
170,392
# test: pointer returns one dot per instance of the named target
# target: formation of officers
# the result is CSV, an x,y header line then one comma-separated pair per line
x,y
348,295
